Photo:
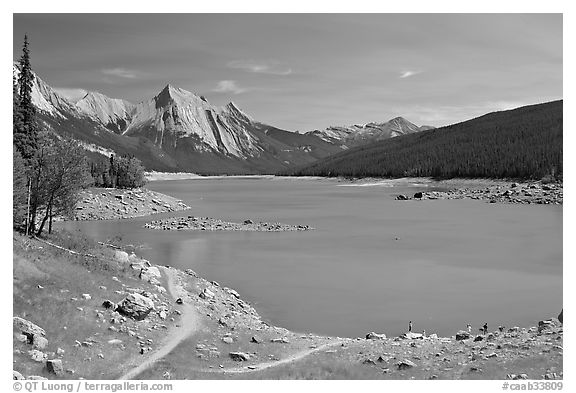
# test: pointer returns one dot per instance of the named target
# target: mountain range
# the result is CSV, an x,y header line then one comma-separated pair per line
x,y
177,130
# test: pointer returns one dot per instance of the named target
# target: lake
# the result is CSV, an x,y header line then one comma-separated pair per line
x,y
372,263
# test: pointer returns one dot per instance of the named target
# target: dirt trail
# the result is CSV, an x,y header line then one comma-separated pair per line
x,y
265,365
189,324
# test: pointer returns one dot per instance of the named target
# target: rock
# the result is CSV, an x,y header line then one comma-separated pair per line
x,y
369,361
492,355
561,316
232,292
248,222
404,364
375,336
256,340
545,325
136,306
150,274
28,327
402,197
517,376
179,300
478,338
412,335
228,340
39,342
86,296
109,304
281,340
121,256
190,272
16,375
206,294
60,352
55,366
239,356
462,335
418,195
37,356
115,341
36,377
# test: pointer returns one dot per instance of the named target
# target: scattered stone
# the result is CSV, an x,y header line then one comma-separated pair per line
x,y
375,336
207,294
37,356
462,335
228,340
239,356
404,364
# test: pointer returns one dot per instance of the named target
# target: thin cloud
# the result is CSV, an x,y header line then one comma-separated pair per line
x,y
120,72
271,67
408,73
228,86
73,95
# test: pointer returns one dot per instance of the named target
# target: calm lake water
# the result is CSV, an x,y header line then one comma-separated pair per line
x,y
372,264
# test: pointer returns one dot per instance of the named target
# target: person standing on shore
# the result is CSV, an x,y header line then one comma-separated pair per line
x,y
469,328
485,327
410,326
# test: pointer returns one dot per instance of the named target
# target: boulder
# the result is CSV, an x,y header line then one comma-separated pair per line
x,y
256,340
462,335
206,294
412,335
54,366
404,364
150,274
402,197
232,292
109,304
16,375
478,338
28,328
121,256
39,342
545,325
375,336
136,306
418,195
239,356
228,340
37,356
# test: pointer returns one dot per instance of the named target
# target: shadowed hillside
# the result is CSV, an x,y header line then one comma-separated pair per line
x,y
523,143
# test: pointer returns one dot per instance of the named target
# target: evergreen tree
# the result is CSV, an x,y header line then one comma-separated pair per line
x,y
25,128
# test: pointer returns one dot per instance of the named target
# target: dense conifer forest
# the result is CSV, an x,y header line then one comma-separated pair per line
x,y
523,143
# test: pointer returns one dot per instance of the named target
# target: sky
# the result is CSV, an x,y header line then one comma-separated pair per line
x,y
307,71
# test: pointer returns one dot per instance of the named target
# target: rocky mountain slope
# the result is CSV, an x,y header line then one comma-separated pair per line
x,y
358,134
179,131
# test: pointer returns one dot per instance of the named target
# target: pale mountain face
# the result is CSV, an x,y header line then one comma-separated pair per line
x,y
175,114
47,99
114,113
364,133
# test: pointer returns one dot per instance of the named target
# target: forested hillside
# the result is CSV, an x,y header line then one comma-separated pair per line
x,y
523,143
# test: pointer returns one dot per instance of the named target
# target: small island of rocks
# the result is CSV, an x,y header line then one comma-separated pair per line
x,y
191,223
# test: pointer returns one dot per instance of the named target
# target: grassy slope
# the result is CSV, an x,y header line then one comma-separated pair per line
x,y
64,276
520,143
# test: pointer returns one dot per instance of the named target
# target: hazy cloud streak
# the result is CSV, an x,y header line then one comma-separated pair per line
x,y
120,72
261,67
228,86
408,74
